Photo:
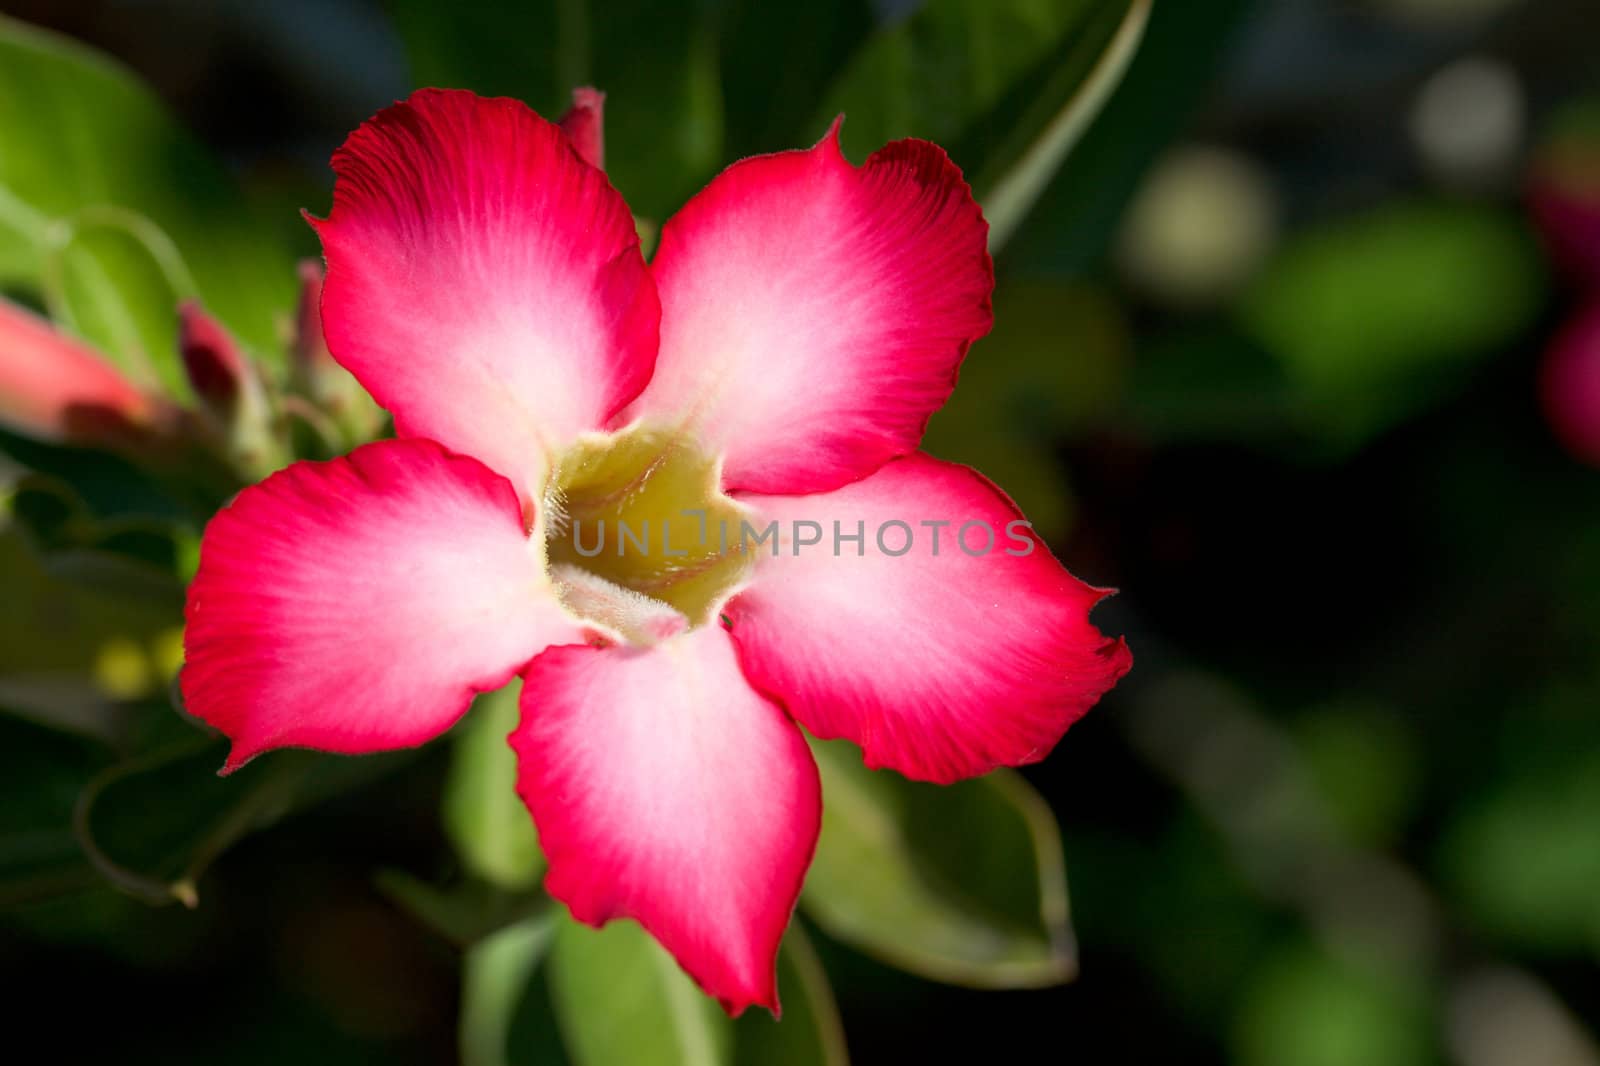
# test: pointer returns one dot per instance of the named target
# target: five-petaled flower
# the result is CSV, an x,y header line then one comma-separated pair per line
x,y
777,360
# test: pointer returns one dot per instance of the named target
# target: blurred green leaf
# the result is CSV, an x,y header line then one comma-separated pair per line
x,y
1525,859
115,279
56,627
1376,316
65,702
620,998
44,771
1363,761
132,558
1312,1009
1075,216
153,824
963,884
663,118
483,815
80,132
1009,189
810,1033
495,976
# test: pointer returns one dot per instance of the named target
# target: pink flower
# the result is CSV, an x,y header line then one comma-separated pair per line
x,y
775,363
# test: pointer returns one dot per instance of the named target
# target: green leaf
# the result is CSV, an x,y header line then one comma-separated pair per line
x,y
1076,214
1525,858
132,558
663,120
82,133
810,1033
43,770
620,998
967,883
483,815
495,976
160,859
1373,317
1010,189
1314,1009
152,824
462,913
115,279
1006,87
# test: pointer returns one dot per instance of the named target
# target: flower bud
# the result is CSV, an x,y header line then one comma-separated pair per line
x,y
327,384
227,386
584,125
55,388
1569,385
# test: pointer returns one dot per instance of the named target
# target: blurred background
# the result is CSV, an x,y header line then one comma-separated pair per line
x,y
1299,349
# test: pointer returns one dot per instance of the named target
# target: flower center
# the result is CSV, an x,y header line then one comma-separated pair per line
x,y
639,514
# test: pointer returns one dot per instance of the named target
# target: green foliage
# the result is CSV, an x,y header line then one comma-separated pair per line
x,y
1374,317
990,81
484,817
94,175
598,976
495,976
967,883
1313,1009
664,124
1525,859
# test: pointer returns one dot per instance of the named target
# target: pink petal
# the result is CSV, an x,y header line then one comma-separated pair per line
x,y
814,313
584,125
667,791
484,283
939,666
55,388
356,605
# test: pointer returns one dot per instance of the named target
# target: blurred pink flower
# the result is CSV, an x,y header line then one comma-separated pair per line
x,y
58,389
1569,385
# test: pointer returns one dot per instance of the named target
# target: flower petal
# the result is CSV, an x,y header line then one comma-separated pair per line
x,y
484,283
939,665
814,314
356,605
665,790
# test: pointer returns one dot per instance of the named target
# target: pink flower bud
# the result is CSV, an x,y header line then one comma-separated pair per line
x,y
58,389
584,125
310,348
217,370
1569,385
